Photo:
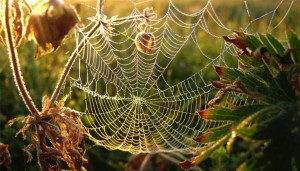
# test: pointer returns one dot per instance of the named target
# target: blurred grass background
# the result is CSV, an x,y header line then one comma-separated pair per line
x,y
42,74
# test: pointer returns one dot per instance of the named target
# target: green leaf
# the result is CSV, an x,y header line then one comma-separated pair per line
x,y
267,44
220,113
252,42
277,45
228,74
251,61
214,134
255,133
203,153
294,43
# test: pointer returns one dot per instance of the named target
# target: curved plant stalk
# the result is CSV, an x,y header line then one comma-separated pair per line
x,y
15,66
70,63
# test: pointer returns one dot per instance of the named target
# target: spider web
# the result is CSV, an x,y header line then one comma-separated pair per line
x,y
133,101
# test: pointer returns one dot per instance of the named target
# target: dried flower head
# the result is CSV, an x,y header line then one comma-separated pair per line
x,y
50,22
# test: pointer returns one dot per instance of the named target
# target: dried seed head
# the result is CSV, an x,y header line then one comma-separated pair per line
x,y
145,42
50,23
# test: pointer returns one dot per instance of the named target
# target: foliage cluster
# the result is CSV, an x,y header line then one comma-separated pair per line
x,y
269,75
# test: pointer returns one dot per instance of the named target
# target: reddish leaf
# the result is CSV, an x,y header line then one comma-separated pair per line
x,y
187,164
205,113
203,137
218,84
220,71
239,43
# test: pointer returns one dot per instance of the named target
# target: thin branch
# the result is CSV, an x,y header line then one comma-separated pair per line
x,y
101,6
70,63
145,162
15,66
28,6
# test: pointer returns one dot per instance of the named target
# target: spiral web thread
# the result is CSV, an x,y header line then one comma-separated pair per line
x,y
131,104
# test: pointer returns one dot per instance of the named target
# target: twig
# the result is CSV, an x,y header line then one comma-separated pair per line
x,y
15,66
101,6
145,162
28,6
70,63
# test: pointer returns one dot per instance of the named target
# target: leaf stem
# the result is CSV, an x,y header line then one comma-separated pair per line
x,y
15,66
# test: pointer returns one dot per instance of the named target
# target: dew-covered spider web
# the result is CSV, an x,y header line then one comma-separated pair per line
x,y
149,102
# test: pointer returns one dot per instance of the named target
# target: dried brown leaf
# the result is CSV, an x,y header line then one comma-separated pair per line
x,y
26,149
61,102
17,21
12,121
50,23
45,103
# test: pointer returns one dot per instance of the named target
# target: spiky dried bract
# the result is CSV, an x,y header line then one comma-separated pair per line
x,y
145,42
50,22
60,127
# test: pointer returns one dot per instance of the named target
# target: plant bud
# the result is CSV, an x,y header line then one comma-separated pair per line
x,y
145,42
50,23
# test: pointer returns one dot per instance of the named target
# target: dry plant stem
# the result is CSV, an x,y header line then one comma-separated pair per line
x,y
145,162
15,66
27,5
70,63
101,5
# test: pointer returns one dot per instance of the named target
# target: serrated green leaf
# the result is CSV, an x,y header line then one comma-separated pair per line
x,y
220,113
277,45
214,134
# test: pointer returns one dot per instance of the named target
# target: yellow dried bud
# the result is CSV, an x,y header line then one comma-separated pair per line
x,y
145,42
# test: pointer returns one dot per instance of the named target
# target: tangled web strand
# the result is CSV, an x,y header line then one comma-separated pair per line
x,y
131,104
